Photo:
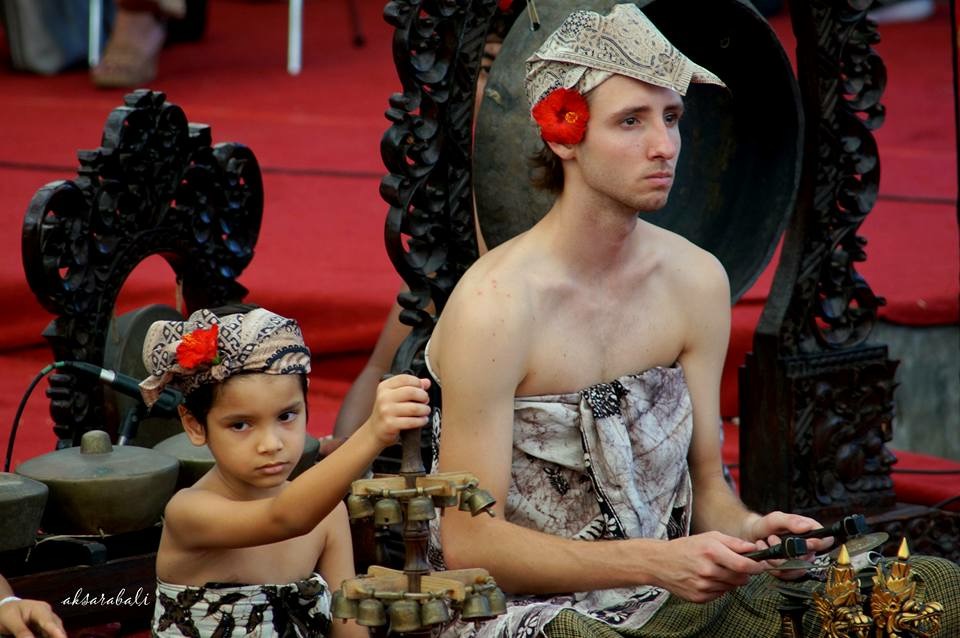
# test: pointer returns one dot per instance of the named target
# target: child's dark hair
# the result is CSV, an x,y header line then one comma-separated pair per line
x,y
200,400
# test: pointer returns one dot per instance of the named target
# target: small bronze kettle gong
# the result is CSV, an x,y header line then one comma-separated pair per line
x,y
98,488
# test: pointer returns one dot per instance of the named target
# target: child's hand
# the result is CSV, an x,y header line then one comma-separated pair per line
x,y
402,403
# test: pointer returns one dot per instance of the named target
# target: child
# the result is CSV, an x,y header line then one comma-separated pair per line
x,y
239,548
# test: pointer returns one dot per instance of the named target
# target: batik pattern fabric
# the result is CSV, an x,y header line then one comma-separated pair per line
x,y
255,341
588,48
609,462
294,610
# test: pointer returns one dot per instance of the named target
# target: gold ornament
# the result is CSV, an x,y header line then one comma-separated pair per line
x,y
896,612
841,606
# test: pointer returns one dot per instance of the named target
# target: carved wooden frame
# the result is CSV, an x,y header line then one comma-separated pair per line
x,y
155,186
430,234
816,397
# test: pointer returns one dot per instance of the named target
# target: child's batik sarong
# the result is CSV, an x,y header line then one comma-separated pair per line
x,y
294,610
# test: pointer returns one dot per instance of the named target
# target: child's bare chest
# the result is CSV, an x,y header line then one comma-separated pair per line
x,y
281,562
277,563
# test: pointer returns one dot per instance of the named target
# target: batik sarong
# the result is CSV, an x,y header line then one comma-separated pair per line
x,y
609,462
293,610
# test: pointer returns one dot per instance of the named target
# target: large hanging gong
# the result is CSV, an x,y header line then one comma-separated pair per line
x,y
739,167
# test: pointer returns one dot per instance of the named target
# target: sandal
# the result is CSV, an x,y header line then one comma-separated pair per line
x,y
126,63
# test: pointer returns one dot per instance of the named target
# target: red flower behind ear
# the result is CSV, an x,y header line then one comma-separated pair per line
x,y
504,5
562,116
198,348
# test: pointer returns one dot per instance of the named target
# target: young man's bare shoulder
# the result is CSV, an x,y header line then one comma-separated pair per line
x,y
497,281
690,268
493,303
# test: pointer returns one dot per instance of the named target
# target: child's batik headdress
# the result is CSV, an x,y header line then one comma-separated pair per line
x,y
210,349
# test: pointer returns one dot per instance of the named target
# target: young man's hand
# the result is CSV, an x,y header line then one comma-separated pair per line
x,y
768,530
772,527
704,566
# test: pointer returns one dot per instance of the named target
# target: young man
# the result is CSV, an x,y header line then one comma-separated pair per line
x,y
580,367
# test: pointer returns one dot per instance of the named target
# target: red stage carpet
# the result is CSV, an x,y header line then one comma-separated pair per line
x,y
317,139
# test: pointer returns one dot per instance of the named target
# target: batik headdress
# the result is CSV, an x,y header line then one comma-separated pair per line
x,y
587,49
209,349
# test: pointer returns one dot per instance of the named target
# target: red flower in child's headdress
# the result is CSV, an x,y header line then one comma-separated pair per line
x,y
562,116
198,348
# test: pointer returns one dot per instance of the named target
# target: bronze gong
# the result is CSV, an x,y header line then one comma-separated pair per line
x,y
739,168
21,506
98,488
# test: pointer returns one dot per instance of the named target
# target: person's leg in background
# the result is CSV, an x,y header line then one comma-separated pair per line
x,y
51,36
141,29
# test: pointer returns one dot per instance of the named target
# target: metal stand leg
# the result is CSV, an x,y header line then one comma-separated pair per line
x,y
358,38
94,26
295,38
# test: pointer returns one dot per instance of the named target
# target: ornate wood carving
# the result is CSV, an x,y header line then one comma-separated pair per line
x,y
430,234
929,531
427,150
816,398
154,186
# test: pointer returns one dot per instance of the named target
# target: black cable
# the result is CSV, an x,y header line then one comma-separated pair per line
x,y
955,64
942,504
23,403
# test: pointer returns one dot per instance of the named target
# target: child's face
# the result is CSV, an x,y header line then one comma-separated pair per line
x,y
256,429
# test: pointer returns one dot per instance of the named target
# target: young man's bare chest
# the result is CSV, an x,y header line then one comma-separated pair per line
x,y
597,336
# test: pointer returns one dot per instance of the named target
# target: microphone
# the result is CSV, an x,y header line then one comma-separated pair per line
x,y
166,405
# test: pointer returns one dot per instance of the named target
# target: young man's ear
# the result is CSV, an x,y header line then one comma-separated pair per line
x,y
563,151
194,429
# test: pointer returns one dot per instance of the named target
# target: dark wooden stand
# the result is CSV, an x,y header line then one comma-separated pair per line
x,y
90,581
155,186
816,395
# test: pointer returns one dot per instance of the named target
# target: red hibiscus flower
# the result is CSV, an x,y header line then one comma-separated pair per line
x,y
198,348
562,116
